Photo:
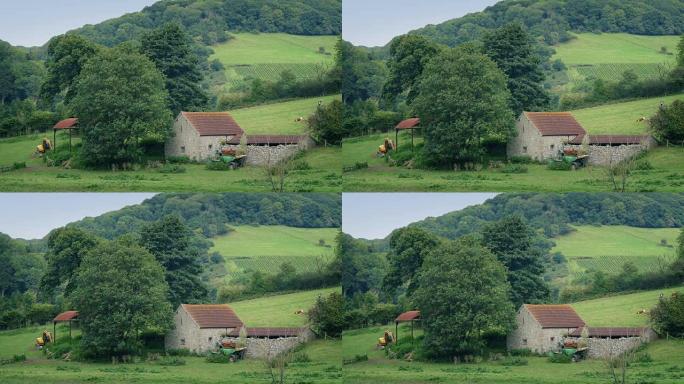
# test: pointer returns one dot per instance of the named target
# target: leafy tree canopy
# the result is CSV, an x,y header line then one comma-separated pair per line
x,y
408,249
67,56
409,54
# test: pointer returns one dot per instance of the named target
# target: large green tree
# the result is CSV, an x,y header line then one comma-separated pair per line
x,y
511,241
169,240
7,76
512,50
67,55
170,50
327,315
408,248
668,316
120,102
66,249
325,124
462,294
668,123
409,54
121,293
462,102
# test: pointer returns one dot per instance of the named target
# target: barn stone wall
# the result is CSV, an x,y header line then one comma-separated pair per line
x,y
600,348
261,348
261,155
605,155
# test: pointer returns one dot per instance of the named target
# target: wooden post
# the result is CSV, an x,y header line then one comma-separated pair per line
x,y
412,321
54,138
70,133
412,139
54,331
69,329
396,331
396,139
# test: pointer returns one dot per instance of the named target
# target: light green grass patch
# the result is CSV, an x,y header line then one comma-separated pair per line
x,y
621,310
279,310
621,118
610,48
279,118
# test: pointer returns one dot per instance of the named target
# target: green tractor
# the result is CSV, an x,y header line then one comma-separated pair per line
x,y
572,157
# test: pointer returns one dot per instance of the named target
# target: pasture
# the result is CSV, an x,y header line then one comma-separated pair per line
x,y
264,56
621,118
265,248
667,365
279,118
323,173
607,248
667,174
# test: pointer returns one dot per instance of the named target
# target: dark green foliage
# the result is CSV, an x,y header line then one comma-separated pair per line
x,y
172,361
408,249
511,240
169,241
362,75
559,165
560,358
362,271
217,358
208,21
67,248
169,48
668,123
120,293
668,316
511,48
462,293
514,168
513,361
355,359
173,168
67,56
178,160
325,124
120,102
470,83
409,55
327,316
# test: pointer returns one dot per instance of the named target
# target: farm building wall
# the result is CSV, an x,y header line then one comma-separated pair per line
x,y
530,335
260,155
529,142
186,141
606,155
188,335
599,348
260,348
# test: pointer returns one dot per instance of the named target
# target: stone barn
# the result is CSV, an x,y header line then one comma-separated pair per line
x,y
542,327
540,135
199,135
198,327
605,342
611,149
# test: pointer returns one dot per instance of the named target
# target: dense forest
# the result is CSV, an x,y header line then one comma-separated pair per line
x,y
208,21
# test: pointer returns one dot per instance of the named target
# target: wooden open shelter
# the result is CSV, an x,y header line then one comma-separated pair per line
x,y
409,124
69,124
410,316
68,316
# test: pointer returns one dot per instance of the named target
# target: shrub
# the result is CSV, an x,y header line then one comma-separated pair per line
x,y
300,165
524,352
216,166
171,361
179,352
522,159
559,166
356,166
514,168
560,358
355,359
300,357
217,358
643,165
171,168
19,165
643,357
178,160
513,361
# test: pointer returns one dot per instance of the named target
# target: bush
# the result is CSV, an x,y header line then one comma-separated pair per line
x,y
523,352
523,159
514,168
560,358
643,165
300,357
356,166
19,165
171,168
179,352
513,361
217,358
178,160
171,361
300,165
216,166
355,359
559,166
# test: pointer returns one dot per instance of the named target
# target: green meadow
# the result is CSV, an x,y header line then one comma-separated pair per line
x,y
322,173
608,248
324,367
266,55
667,366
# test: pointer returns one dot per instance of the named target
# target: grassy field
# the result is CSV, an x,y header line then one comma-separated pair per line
x,y
324,174
278,311
667,366
607,56
266,55
265,248
621,310
279,118
621,118
607,248
324,367
667,174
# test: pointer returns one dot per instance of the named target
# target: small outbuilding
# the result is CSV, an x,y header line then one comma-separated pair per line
x,y
67,124
198,327
409,124
198,135
541,327
64,317
406,317
540,135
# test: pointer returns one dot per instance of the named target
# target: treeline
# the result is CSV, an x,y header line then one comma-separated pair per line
x,y
208,21
550,20
210,213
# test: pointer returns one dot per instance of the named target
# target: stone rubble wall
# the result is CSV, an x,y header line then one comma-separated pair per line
x,y
605,155
262,348
601,348
261,155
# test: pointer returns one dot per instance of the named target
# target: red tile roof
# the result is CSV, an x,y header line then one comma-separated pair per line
x,y
66,123
611,331
269,332
555,316
408,316
408,123
213,315
555,123
66,316
213,123
611,139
